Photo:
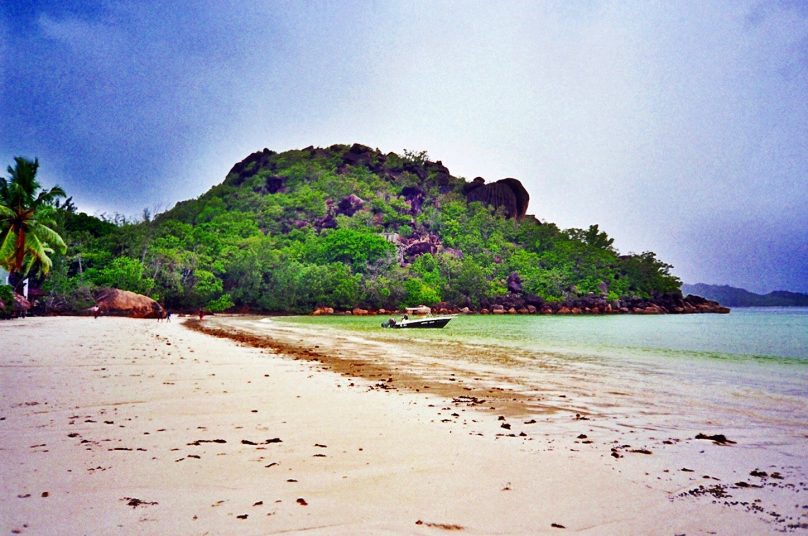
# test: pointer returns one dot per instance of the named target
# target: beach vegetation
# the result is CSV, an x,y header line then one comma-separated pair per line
x,y
27,221
418,292
6,299
124,273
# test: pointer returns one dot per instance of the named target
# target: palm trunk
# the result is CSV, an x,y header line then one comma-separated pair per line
x,y
20,251
16,271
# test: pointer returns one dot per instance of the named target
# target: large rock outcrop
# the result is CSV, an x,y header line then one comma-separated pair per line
x,y
506,193
509,193
113,301
272,185
349,205
250,166
418,245
361,155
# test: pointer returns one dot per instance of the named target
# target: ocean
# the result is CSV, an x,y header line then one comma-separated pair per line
x,y
756,333
746,371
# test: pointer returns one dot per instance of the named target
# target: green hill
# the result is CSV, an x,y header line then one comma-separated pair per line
x,y
348,226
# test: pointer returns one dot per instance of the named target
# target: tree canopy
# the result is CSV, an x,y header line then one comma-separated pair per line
x,y
27,218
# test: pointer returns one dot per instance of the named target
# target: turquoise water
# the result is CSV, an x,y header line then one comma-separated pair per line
x,y
749,367
762,334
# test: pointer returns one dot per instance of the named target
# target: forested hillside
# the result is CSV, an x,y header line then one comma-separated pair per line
x,y
345,227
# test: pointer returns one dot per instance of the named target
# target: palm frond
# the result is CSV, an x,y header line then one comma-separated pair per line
x,y
47,235
37,251
22,182
3,190
6,212
8,247
47,197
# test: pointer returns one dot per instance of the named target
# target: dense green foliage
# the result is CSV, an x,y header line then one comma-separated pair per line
x,y
331,227
6,300
27,215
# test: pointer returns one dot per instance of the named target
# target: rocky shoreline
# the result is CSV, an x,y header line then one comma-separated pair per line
x,y
671,303
123,303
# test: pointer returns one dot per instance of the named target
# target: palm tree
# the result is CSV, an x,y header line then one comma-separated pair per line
x,y
26,220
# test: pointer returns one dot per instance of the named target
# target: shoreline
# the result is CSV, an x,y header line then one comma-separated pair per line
x,y
137,426
518,305
512,304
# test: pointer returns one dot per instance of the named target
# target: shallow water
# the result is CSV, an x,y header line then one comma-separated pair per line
x,y
777,333
742,370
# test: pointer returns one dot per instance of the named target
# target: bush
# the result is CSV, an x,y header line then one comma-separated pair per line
x,y
222,303
7,299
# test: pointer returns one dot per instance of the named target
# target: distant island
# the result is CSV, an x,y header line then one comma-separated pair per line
x,y
738,297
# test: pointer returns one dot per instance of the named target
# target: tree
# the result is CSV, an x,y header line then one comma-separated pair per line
x,y
355,248
466,282
124,273
419,158
27,218
593,237
648,275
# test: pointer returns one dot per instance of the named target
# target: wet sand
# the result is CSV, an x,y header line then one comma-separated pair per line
x,y
143,427
617,410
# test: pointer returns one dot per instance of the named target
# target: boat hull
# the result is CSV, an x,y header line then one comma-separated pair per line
x,y
421,323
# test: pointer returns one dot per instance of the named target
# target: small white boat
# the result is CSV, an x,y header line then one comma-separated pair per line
x,y
427,322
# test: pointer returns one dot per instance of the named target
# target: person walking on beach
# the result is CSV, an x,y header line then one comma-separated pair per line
x,y
201,314
96,310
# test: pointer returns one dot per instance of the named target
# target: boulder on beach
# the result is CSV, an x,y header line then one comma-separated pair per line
x,y
21,305
117,302
18,306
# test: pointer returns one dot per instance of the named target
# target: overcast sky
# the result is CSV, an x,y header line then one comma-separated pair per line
x,y
678,127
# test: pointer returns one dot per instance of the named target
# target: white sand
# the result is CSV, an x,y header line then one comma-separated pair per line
x,y
77,391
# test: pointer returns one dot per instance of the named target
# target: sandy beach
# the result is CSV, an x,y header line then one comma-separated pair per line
x,y
120,426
